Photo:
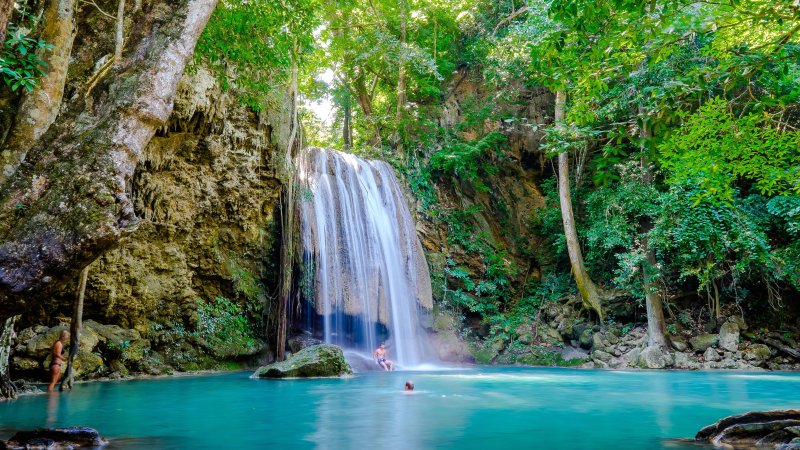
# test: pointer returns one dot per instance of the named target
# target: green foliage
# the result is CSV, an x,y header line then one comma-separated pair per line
x,y
224,326
715,149
470,161
708,241
20,65
251,45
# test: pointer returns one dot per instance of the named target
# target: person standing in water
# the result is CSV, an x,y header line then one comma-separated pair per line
x,y
380,358
55,363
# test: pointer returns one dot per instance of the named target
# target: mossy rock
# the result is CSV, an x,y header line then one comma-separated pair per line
x,y
703,341
42,344
322,360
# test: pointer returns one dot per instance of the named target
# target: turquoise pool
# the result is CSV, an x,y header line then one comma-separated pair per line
x,y
483,408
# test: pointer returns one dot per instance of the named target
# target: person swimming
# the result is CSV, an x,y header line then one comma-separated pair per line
x,y
409,386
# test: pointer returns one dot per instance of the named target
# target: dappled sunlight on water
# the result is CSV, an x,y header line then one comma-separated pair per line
x,y
478,408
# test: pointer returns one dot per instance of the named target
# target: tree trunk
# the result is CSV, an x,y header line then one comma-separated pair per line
x,y
365,101
401,66
653,301
75,331
347,128
586,287
7,388
401,80
39,108
6,10
287,219
120,38
69,202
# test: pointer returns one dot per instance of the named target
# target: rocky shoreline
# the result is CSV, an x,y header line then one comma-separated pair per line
x,y
562,337
110,352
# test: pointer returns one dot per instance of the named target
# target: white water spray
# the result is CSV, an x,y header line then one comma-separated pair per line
x,y
361,249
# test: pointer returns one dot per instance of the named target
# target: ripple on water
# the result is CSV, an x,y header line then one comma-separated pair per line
x,y
517,378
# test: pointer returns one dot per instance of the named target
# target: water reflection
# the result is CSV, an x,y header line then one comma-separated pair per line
x,y
52,408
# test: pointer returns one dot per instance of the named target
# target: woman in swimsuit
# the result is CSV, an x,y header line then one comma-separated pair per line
x,y
55,364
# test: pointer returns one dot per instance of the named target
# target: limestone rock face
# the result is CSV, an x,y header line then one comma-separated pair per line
x,y
323,360
205,192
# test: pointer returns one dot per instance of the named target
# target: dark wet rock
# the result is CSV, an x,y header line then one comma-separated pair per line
x,y
586,339
778,429
302,341
323,360
56,438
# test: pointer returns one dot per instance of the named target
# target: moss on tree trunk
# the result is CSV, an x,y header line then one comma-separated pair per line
x,y
69,201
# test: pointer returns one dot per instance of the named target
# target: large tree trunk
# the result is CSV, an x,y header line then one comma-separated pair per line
x,y
588,290
653,301
69,202
287,218
6,10
39,108
365,101
401,66
7,388
347,128
401,80
75,331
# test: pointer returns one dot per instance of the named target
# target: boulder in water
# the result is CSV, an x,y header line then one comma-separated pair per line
x,y
778,430
322,360
56,438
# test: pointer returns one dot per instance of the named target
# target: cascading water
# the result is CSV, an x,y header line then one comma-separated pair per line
x,y
365,272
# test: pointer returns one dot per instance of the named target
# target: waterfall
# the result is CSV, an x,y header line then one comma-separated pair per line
x,y
364,269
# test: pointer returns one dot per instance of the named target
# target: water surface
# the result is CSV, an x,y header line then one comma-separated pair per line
x,y
466,409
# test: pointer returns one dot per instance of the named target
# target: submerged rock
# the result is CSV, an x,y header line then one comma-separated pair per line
x,y
56,438
778,429
322,360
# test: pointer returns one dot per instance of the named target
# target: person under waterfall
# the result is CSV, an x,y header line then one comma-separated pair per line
x,y
380,358
58,359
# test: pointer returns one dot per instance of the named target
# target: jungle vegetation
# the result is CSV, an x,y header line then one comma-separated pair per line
x,y
674,146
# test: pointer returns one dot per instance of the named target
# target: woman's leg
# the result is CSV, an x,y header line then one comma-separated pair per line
x,y
55,374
